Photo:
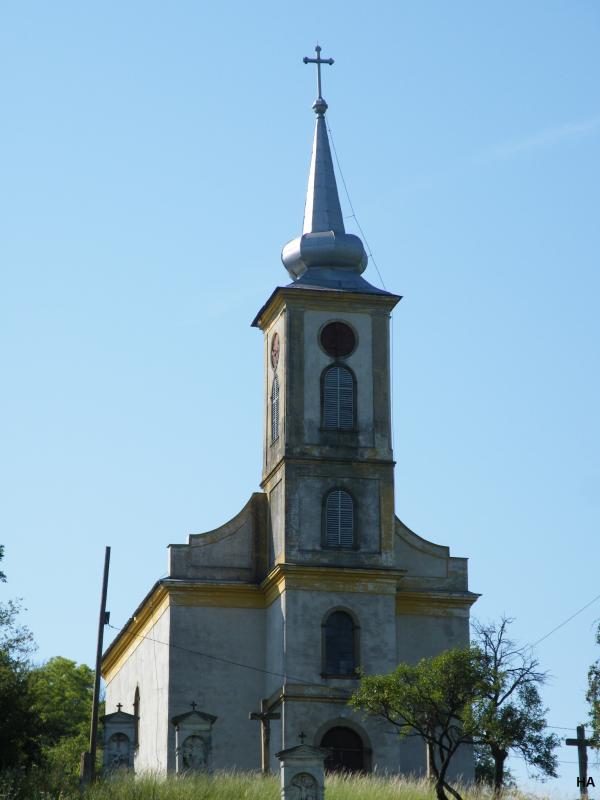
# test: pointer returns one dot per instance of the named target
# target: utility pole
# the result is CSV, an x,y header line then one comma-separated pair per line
x,y
87,773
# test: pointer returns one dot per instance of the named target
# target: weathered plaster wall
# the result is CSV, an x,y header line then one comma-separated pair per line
x,y
305,614
421,636
275,645
228,691
360,362
148,668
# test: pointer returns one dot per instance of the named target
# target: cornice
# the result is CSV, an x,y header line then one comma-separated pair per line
x,y
319,299
435,602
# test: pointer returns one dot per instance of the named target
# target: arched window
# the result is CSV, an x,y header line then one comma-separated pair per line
x,y
340,645
338,398
275,409
136,714
346,750
339,519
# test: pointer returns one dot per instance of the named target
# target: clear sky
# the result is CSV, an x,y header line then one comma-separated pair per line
x,y
153,161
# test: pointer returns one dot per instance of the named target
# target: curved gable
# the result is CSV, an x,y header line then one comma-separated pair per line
x,y
231,552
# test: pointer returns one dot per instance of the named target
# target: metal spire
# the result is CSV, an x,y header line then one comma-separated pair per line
x,y
324,243
322,211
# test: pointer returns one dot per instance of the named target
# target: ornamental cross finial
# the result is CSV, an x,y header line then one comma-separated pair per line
x,y
119,706
193,705
302,735
320,106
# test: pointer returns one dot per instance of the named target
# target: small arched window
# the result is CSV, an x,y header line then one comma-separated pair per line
x,y
338,399
339,519
340,645
275,409
136,714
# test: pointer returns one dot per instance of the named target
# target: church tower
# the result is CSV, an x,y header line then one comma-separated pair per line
x,y
328,464
268,618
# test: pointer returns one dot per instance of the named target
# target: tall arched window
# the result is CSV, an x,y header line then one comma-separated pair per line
x,y
275,409
338,398
340,645
339,519
136,713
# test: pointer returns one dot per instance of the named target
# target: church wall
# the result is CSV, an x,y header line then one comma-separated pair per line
x,y
274,644
309,502
306,486
147,667
422,636
305,614
273,451
225,690
276,495
360,362
385,752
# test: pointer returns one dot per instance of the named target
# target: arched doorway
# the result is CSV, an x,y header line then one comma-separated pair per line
x,y
346,750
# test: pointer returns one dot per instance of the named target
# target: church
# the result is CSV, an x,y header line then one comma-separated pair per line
x,y
252,643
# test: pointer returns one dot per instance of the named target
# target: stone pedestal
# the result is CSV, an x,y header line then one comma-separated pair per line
x,y
302,773
193,741
119,736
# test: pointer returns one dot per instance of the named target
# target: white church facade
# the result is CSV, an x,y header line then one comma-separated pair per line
x,y
315,577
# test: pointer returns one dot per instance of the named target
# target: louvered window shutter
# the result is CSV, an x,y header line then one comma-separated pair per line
x,y
275,409
338,399
339,519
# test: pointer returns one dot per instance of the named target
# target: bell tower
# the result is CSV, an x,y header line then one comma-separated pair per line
x,y
328,462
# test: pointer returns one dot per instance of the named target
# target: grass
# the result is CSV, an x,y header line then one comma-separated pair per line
x,y
224,786
250,786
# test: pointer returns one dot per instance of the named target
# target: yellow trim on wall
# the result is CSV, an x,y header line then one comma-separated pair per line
x,y
135,632
219,596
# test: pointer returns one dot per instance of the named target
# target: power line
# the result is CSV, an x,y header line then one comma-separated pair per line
x,y
562,624
353,215
372,257
229,661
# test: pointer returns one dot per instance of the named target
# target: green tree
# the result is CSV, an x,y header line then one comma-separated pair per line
x,y
19,737
20,744
508,714
62,692
593,695
433,700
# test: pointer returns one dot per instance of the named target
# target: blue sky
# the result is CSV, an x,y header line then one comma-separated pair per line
x,y
154,161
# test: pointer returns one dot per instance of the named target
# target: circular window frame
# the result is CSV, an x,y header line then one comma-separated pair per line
x,y
348,325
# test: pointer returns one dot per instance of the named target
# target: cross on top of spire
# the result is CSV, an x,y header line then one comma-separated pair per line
x,y
320,106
